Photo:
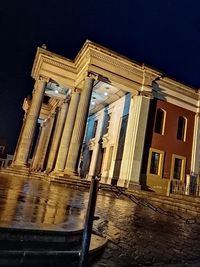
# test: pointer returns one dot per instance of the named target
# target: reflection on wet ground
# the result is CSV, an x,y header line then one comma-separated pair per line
x,y
137,235
36,204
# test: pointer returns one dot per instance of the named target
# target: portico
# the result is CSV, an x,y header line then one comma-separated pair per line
x,y
91,114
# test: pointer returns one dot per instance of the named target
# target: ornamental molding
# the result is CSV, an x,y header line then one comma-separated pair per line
x,y
92,143
105,140
183,90
117,62
59,64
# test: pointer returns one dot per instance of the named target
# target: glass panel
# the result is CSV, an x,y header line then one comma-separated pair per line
x,y
155,159
177,168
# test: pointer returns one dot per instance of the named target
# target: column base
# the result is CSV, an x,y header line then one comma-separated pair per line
x,y
104,180
134,186
69,173
122,183
56,173
19,166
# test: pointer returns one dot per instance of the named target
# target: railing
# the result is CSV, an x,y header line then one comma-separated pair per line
x,y
191,187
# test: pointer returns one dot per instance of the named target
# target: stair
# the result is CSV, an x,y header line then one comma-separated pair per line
x,y
35,247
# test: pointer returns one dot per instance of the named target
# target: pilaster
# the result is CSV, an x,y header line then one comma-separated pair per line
x,y
134,142
195,160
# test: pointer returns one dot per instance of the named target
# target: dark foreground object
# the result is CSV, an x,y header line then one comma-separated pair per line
x,y
29,247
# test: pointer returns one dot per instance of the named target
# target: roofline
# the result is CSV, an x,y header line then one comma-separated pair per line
x,y
92,45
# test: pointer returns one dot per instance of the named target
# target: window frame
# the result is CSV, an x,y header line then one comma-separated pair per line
x,y
161,162
163,121
183,167
185,129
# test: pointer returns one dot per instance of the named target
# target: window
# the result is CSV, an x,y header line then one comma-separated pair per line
x,y
155,159
178,167
160,121
181,131
94,129
155,162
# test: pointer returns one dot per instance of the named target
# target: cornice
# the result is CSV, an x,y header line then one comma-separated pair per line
x,y
115,62
169,84
122,69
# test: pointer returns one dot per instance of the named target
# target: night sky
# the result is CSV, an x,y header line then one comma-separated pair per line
x,y
164,34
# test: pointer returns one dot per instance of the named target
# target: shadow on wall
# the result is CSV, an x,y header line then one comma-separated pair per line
x,y
158,93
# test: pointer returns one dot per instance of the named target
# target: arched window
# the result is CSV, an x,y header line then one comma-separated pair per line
x,y
160,121
181,131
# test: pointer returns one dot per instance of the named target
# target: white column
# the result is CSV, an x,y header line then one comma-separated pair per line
x,y
37,152
48,130
134,142
30,123
79,126
67,132
195,160
57,135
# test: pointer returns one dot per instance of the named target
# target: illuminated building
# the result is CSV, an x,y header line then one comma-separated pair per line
x,y
104,113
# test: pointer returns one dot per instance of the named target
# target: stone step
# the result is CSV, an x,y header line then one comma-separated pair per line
x,y
56,255
25,238
71,181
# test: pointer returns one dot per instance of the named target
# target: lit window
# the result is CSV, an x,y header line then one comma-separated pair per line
x,y
155,159
155,162
181,131
160,121
178,167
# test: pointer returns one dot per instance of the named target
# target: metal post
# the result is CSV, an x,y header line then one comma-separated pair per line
x,y
89,221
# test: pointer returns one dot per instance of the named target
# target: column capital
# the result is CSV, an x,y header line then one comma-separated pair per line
x,y
76,90
146,94
92,75
43,79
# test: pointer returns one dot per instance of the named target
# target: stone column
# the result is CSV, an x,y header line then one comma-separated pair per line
x,y
37,152
195,160
47,135
30,123
57,135
79,126
67,132
134,142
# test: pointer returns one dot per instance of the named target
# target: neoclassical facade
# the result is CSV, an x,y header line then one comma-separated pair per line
x,y
104,113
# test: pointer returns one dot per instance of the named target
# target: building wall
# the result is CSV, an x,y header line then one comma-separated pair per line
x,y
167,142
109,141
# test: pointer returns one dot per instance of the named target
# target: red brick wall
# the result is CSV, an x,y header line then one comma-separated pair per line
x,y
169,142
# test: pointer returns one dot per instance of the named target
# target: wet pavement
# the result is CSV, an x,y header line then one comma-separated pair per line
x,y
137,235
